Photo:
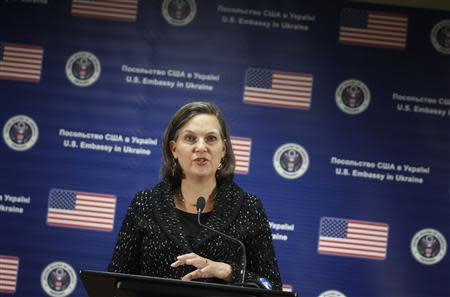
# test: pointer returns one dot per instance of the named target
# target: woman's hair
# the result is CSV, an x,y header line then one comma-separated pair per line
x,y
170,169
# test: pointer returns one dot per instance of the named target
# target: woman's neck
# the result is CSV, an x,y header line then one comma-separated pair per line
x,y
192,189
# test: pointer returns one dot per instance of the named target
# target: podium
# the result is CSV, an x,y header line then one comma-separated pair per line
x,y
109,284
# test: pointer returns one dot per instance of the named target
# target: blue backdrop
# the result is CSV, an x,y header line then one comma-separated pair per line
x,y
339,113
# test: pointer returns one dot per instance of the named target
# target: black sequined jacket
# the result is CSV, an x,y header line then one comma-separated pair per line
x,y
152,236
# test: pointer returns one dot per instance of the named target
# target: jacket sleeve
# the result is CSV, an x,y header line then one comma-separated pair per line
x,y
126,255
261,259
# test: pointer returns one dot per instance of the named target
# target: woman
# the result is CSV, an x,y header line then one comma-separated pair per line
x,y
160,235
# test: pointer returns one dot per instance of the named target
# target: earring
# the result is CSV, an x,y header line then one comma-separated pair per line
x,y
219,168
174,166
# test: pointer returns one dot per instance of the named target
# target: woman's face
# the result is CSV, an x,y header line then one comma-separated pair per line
x,y
199,147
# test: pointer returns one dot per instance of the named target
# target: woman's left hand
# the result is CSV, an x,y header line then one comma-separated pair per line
x,y
205,268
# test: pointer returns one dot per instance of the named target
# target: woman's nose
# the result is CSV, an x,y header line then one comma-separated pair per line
x,y
201,144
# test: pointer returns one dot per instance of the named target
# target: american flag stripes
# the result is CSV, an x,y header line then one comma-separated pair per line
x,y
81,210
353,238
278,88
20,62
371,28
241,149
118,10
287,288
9,268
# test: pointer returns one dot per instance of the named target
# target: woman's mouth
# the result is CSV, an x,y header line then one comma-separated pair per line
x,y
200,161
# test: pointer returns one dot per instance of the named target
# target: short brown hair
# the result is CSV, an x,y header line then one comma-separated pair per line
x,y
181,117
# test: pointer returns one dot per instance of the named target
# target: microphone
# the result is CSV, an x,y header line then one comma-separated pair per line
x,y
201,202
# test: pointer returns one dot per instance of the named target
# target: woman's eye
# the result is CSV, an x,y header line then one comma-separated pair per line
x,y
211,138
189,138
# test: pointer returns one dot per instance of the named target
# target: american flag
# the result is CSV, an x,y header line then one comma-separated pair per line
x,y
353,238
287,288
241,149
20,61
371,28
118,10
81,210
278,88
9,268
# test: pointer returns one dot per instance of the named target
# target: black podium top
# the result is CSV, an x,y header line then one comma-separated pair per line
x,y
109,284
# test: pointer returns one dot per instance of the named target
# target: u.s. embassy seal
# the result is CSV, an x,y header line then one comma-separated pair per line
x,y
428,246
352,96
58,279
179,12
291,160
83,69
440,37
331,293
20,133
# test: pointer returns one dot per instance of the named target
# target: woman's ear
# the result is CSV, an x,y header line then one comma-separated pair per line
x,y
224,149
173,148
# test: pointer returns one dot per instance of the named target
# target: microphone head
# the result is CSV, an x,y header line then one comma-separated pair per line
x,y
201,202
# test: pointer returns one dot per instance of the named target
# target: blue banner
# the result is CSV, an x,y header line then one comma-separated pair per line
x,y
339,114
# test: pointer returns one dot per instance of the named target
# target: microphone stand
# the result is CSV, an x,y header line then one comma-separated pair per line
x,y
200,206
